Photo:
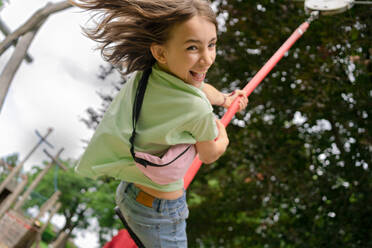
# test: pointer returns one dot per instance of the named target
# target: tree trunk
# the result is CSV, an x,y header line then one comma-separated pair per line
x,y
61,240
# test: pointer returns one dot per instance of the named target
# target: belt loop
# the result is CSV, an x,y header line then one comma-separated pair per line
x,y
158,205
127,187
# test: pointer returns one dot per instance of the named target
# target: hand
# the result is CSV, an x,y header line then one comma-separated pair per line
x,y
222,134
210,150
243,101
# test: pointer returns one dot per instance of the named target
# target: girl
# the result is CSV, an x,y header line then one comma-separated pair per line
x,y
162,116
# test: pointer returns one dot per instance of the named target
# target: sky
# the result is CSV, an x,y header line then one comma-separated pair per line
x,y
52,91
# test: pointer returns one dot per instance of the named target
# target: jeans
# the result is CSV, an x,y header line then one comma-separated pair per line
x,y
162,226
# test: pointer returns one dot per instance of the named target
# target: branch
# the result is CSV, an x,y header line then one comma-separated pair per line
x,y
33,22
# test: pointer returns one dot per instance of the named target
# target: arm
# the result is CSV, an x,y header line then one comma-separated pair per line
x,y
210,151
218,98
214,96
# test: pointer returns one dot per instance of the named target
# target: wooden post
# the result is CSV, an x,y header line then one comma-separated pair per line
x,y
13,197
37,180
10,187
45,225
18,168
35,21
48,205
5,30
16,231
13,64
27,32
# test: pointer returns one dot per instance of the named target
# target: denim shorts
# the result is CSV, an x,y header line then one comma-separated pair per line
x,y
161,226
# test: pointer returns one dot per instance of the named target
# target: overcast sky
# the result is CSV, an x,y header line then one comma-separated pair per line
x,y
53,91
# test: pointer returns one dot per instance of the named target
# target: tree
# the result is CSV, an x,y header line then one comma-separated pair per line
x,y
294,175
81,200
7,163
297,171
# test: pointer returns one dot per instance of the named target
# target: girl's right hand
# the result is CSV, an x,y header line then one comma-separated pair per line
x,y
210,150
222,134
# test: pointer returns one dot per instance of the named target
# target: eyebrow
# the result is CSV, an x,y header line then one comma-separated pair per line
x,y
198,41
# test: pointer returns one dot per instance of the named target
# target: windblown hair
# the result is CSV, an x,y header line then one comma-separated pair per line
x,y
129,27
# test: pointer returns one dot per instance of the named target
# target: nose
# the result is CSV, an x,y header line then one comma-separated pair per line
x,y
207,57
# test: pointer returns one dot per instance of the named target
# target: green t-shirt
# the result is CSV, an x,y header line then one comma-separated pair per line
x,y
173,112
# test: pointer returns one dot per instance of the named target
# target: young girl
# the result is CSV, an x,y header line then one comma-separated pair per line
x,y
162,116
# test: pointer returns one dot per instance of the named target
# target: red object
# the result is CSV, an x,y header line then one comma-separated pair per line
x,y
121,240
256,80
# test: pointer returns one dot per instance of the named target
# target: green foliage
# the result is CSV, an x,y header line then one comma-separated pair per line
x,y
103,203
287,181
12,160
82,200
41,245
2,3
70,245
48,235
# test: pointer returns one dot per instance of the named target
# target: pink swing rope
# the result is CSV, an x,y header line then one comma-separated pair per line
x,y
255,81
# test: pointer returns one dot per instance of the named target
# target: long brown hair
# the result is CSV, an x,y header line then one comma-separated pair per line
x,y
128,27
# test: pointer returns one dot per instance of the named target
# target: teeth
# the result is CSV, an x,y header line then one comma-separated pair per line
x,y
198,75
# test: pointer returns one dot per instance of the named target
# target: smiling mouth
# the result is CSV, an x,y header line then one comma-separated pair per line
x,y
198,76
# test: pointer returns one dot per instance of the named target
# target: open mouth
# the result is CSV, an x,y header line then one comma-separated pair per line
x,y
197,76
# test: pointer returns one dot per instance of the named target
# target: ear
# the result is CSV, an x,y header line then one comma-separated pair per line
x,y
159,52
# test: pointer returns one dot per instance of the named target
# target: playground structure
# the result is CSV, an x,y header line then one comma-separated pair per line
x,y
16,229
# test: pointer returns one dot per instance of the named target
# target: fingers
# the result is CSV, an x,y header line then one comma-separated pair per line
x,y
219,124
221,129
243,101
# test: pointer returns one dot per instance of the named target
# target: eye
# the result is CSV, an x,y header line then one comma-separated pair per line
x,y
212,44
191,48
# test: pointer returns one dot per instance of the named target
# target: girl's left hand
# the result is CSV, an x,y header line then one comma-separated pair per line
x,y
229,98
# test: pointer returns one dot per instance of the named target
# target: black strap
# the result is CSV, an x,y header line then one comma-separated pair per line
x,y
130,231
137,105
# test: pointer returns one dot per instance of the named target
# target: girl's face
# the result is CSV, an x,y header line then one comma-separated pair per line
x,y
190,51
